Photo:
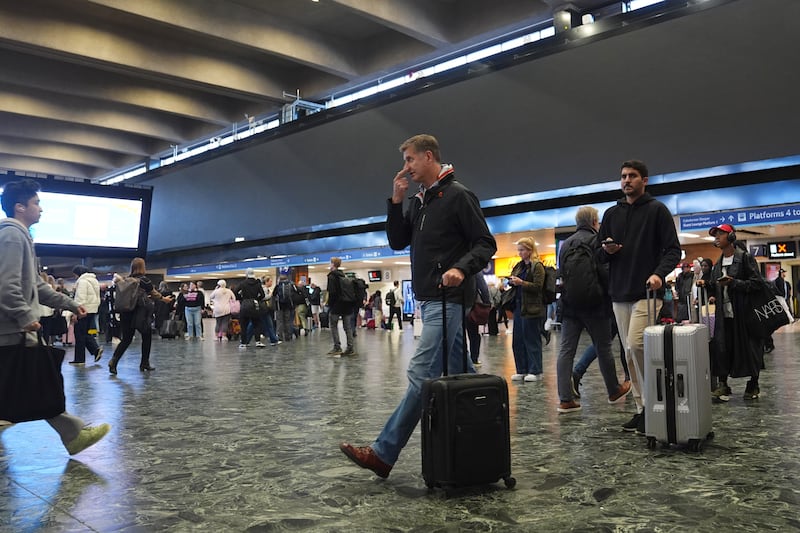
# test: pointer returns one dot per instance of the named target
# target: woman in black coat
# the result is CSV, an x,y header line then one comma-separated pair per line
x,y
738,354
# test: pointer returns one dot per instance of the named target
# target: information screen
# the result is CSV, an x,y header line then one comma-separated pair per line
x,y
82,219
77,220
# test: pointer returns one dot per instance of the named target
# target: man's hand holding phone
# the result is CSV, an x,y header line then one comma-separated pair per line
x,y
611,246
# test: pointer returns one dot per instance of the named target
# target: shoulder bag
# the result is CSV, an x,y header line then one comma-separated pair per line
x,y
31,384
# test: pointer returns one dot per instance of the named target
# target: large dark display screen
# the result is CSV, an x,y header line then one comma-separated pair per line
x,y
86,220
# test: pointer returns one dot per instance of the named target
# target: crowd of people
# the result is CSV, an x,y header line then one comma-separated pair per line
x,y
607,269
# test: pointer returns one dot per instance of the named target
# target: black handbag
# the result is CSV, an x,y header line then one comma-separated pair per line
x,y
765,313
31,384
508,300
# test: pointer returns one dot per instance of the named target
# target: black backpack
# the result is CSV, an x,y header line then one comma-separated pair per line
x,y
549,287
390,299
347,290
581,281
360,287
284,291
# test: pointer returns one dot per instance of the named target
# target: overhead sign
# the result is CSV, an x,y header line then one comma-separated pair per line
x,y
295,260
757,216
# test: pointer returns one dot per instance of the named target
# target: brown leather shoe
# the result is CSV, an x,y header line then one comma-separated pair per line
x,y
622,391
365,457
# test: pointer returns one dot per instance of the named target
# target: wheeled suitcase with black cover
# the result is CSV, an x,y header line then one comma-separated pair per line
x,y
465,427
677,384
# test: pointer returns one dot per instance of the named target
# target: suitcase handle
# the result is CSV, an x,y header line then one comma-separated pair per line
x,y
445,349
650,294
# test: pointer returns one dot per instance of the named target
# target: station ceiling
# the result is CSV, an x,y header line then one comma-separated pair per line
x,y
91,86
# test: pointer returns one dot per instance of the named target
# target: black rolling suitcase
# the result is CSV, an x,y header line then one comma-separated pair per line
x,y
465,428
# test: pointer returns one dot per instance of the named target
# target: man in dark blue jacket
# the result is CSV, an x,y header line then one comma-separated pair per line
x,y
641,246
585,308
450,244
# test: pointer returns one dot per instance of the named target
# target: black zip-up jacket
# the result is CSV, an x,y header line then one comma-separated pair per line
x,y
649,246
250,289
446,229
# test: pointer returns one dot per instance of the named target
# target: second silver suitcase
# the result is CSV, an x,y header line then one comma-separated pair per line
x,y
677,385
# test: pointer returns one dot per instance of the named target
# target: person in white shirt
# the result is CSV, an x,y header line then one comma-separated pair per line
x,y
87,294
396,307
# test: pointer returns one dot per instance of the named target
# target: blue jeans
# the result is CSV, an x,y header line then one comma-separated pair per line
x,y
526,342
600,332
424,365
590,354
268,327
194,317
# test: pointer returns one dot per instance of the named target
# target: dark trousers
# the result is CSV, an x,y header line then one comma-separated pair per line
x,y
129,329
493,329
395,311
474,337
247,330
82,338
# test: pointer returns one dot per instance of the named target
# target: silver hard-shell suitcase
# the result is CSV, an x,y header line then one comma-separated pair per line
x,y
677,383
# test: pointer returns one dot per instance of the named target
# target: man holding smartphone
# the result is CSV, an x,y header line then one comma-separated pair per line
x,y
641,247
450,244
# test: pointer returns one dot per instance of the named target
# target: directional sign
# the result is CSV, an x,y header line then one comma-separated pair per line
x,y
295,260
754,216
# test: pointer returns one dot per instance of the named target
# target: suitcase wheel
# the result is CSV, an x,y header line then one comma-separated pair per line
x,y
651,443
510,482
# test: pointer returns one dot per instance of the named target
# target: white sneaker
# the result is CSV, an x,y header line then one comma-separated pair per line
x,y
517,377
260,344
242,346
532,377
187,337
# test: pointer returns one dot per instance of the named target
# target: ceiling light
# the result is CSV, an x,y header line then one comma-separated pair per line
x,y
371,261
689,235
402,262
238,239
708,238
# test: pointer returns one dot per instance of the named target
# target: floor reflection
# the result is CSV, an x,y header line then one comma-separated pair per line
x,y
223,439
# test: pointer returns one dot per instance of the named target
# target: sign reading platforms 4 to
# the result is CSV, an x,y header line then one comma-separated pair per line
x,y
756,216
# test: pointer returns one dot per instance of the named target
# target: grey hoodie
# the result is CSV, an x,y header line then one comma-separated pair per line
x,y
21,288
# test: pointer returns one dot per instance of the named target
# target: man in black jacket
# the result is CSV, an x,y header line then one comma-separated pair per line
x,y
340,306
589,309
450,244
641,247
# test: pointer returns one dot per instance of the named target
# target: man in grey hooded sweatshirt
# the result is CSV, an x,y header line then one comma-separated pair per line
x,y
21,292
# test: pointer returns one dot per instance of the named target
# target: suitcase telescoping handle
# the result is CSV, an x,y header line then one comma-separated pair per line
x,y
445,350
652,315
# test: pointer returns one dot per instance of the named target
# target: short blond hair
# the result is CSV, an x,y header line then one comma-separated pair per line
x,y
336,261
530,244
423,143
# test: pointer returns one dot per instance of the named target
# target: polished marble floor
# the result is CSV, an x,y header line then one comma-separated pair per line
x,y
223,439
